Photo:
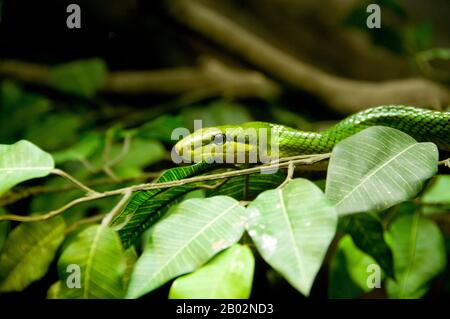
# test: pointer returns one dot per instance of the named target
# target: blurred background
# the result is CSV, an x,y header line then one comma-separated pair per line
x,y
142,68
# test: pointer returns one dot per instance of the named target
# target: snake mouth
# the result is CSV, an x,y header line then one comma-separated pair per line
x,y
230,152
214,145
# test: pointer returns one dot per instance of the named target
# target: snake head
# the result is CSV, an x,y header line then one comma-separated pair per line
x,y
223,144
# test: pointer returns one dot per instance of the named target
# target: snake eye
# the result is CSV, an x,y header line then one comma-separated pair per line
x,y
219,139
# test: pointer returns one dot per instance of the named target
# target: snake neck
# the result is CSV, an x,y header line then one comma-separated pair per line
x,y
292,142
421,124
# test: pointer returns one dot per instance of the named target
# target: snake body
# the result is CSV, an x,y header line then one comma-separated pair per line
x,y
421,124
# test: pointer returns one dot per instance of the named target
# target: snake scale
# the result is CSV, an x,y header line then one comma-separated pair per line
x,y
421,124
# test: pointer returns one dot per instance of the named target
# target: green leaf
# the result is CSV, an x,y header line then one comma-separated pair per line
x,y
54,291
432,54
419,255
378,168
216,113
28,252
130,260
438,191
228,276
142,153
357,263
292,228
349,271
436,197
249,186
19,110
84,77
419,36
161,128
99,254
144,208
82,150
340,284
22,161
42,132
367,234
207,227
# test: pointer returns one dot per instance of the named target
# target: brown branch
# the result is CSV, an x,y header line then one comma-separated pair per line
x,y
343,95
302,160
210,78
22,193
73,180
283,163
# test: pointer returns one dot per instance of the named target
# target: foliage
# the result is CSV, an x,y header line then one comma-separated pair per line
x,y
292,228
22,161
229,275
28,252
380,204
98,252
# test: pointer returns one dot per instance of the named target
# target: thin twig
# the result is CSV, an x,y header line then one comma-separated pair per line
x,y
116,210
73,180
123,152
445,162
290,174
215,186
84,221
20,194
149,186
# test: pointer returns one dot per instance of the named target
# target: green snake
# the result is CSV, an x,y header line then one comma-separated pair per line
x,y
216,142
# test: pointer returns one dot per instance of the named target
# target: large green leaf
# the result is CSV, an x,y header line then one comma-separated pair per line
x,y
84,77
292,228
186,239
349,271
22,161
368,235
28,252
145,208
378,168
419,255
249,186
228,276
99,254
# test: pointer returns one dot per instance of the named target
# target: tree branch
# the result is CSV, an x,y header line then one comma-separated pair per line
x,y
73,180
342,95
210,78
20,194
300,160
